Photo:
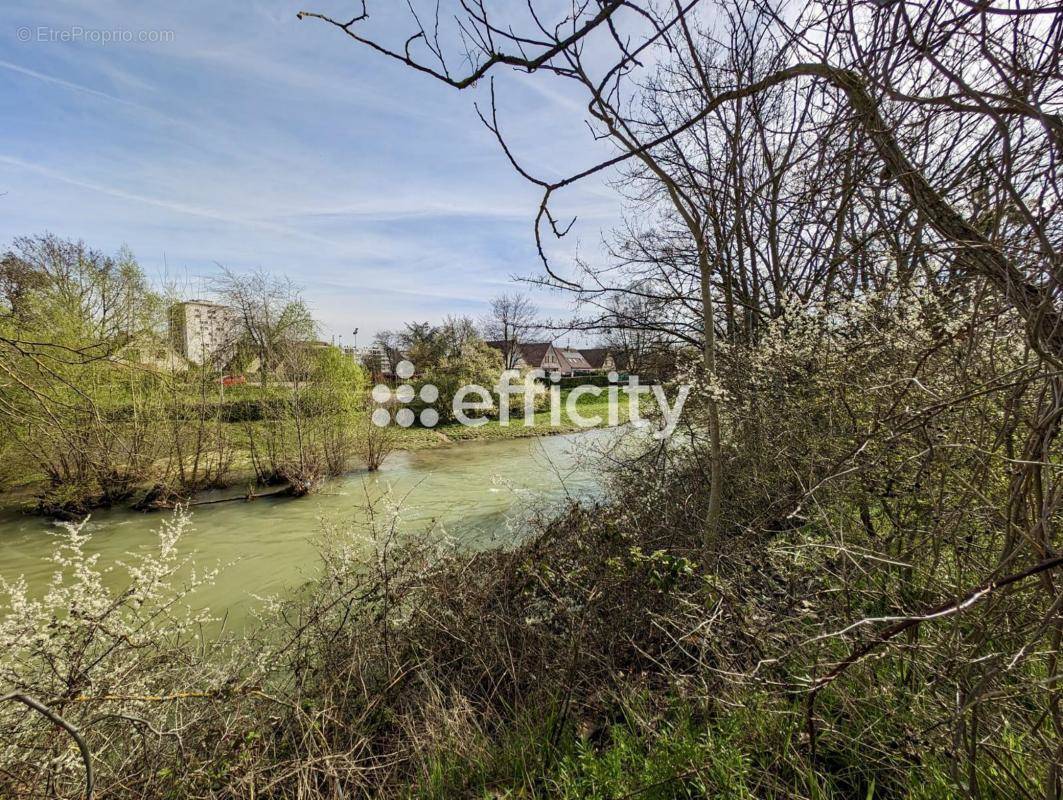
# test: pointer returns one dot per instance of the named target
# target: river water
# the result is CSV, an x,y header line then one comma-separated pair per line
x,y
478,491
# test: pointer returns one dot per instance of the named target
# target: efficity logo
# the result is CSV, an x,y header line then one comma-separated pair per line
x,y
402,395
495,402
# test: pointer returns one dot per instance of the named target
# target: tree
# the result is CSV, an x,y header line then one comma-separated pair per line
x,y
629,332
201,448
339,391
76,401
894,157
512,318
270,316
387,353
310,433
450,356
375,438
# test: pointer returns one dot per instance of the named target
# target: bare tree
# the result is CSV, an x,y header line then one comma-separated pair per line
x,y
389,346
511,319
269,315
818,154
835,54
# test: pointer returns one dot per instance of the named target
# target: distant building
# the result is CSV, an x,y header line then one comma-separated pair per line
x,y
154,353
600,358
376,359
515,354
527,355
573,362
545,356
202,331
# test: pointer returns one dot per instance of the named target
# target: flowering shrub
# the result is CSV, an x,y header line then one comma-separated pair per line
x,y
97,656
872,469
167,709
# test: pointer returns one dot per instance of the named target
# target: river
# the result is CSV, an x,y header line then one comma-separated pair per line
x,y
478,491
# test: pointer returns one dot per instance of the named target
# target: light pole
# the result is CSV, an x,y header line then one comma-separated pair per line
x,y
355,338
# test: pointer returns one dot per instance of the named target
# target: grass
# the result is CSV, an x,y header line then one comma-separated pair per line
x,y
420,438
588,406
743,752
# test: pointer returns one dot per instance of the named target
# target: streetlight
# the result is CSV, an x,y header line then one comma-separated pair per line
x,y
355,338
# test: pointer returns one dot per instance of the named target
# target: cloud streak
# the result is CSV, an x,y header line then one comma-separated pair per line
x,y
257,141
76,87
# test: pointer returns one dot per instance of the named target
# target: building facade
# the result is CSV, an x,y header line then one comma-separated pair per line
x,y
203,331
599,359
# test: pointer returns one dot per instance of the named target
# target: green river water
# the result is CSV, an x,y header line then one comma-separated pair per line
x,y
479,491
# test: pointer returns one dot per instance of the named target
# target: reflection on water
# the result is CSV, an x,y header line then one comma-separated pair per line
x,y
477,491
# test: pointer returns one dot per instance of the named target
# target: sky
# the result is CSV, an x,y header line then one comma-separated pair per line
x,y
201,134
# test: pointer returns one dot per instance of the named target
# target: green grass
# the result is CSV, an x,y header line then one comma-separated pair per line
x,y
418,438
540,756
667,750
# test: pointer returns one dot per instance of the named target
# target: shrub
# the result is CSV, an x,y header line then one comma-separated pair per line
x,y
595,379
593,660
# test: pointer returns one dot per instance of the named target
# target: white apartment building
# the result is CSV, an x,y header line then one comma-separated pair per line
x,y
373,357
202,331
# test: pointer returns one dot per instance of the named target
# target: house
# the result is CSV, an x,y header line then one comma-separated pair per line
x,y
203,331
542,355
600,358
517,355
527,355
573,362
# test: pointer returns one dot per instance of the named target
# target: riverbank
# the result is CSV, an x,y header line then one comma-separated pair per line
x,y
588,406
23,484
576,665
476,492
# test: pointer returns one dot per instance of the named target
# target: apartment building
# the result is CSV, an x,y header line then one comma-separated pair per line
x,y
203,331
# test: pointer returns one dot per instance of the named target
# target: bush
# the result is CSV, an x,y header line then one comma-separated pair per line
x,y
252,409
595,379
579,664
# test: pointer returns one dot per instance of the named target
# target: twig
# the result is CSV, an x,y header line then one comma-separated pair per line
x,y
943,610
86,756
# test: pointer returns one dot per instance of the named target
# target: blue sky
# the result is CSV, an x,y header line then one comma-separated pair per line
x,y
251,139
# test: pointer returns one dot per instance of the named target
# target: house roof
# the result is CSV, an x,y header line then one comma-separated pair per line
x,y
573,359
532,353
596,356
